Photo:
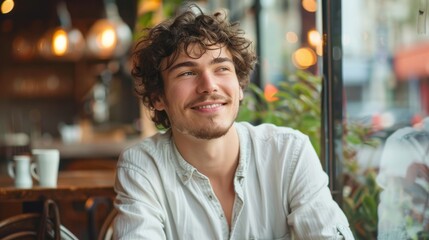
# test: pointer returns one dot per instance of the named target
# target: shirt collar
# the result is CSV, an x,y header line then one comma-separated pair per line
x,y
243,137
183,168
186,170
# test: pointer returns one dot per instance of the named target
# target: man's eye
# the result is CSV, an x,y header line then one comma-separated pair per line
x,y
186,74
223,69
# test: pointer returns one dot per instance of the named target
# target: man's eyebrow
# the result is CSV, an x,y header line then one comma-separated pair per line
x,y
221,60
182,64
193,63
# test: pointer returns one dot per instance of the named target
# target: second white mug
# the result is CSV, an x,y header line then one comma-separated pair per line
x,y
19,170
45,165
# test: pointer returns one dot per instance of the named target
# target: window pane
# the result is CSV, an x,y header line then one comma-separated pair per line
x,y
385,72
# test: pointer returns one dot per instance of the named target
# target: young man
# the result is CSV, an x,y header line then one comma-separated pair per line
x,y
208,177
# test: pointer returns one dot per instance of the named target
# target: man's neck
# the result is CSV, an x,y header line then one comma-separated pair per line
x,y
215,158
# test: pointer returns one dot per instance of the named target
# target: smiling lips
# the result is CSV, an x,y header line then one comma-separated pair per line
x,y
209,106
208,102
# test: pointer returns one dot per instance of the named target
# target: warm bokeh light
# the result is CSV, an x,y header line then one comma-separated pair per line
x,y
270,92
148,6
60,42
314,38
291,37
304,57
309,5
7,6
319,49
107,38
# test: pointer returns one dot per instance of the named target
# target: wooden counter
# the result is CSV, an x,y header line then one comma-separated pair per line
x,y
96,149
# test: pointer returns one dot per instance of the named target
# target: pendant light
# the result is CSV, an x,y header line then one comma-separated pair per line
x,y
63,41
110,36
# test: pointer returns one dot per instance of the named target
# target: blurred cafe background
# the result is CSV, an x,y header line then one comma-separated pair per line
x,y
65,80
349,73
65,84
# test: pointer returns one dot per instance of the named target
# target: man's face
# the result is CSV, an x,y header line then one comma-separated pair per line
x,y
201,95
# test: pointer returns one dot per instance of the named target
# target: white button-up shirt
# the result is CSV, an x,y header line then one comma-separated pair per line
x,y
281,191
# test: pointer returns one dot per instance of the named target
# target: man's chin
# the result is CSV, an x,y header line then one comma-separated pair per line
x,y
209,134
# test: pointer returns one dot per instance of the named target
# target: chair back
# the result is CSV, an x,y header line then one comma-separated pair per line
x,y
106,231
45,226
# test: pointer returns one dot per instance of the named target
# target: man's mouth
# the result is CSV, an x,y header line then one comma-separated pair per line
x,y
209,106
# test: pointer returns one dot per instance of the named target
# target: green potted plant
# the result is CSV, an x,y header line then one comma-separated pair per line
x,y
294,103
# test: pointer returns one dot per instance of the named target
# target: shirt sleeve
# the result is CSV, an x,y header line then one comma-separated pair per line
x,y
140,212
314,213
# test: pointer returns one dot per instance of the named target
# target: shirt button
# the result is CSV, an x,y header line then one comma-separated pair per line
x,y
221,216
210,197
241,181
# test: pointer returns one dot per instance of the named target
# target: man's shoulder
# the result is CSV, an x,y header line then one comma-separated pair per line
x,y
149,148
268,130
152,142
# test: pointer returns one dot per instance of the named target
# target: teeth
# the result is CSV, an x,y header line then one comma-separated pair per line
x,y
209,106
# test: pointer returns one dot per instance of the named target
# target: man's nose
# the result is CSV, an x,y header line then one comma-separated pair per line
x,y
207,83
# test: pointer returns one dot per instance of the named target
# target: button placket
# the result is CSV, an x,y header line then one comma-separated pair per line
x,y
208,191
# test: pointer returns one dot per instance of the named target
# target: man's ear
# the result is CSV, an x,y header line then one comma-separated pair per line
x,y
241,94
158,103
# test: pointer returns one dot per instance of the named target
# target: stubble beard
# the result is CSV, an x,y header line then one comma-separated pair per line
x,y
210,132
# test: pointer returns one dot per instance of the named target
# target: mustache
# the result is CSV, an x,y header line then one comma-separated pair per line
x,y
211,97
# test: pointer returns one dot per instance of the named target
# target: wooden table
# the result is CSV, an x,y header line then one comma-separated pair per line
x,y
72,185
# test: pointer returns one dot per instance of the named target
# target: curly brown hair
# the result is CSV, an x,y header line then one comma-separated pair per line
x,y
169,38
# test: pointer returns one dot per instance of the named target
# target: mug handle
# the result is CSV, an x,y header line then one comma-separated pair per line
x,y
10,169
33,172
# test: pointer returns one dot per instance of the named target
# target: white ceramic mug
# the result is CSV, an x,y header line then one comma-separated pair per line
x,y
19,170
45,166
